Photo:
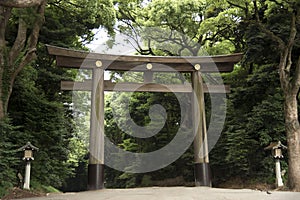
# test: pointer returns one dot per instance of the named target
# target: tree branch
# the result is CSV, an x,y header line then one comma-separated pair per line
x,y
256,10
274,37
4,17
245,9
31,42
284,49
296,81
286,61
19,41
291,42
276,2
20,3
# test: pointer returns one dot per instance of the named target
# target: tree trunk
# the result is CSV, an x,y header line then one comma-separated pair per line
x,y
293,139
20,3
290,84
4,17
2,114
13,59
6,82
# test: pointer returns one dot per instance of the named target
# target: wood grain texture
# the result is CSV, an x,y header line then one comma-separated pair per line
x,y
142,87
82,59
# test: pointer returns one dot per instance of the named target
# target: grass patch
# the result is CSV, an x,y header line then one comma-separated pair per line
x,y
49,189
36,186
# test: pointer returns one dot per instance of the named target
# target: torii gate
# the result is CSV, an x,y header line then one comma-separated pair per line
x,y
98,63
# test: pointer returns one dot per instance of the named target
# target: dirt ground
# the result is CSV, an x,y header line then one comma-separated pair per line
x,y
17,193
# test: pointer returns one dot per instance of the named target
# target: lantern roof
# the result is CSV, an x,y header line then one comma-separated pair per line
x,y
275,145
28,146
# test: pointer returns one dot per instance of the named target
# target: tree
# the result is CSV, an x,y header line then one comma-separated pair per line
x,y
254,119
289,73
20,52
36,87
270,30
20,25
179,28
20,4
278,23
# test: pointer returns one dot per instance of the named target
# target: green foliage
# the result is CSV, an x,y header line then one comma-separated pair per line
x,y
42,114
8,156
44,124
37,186
255,111
39,110
69,23
146,181
176,27
138,105
254,119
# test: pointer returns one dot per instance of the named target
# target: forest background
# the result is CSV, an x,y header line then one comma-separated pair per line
x,y
38,111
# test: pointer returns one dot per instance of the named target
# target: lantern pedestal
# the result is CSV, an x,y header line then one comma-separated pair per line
x,y
27,176
279,182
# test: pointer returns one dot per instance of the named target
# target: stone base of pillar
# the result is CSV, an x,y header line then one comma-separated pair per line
x,y
202,174
95,176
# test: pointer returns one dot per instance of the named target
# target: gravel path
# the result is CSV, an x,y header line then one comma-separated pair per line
x,y
174,193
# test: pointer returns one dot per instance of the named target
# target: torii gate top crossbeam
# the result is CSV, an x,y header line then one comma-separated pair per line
x,y
82,59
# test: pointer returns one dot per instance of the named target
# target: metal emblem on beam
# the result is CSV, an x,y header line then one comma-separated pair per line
x,y
98,63
149,66
197,67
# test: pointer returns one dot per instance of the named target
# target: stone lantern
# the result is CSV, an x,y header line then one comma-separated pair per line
x,y
28,157
276,148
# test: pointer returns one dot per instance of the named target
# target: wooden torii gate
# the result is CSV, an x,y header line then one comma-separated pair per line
x,y
98,63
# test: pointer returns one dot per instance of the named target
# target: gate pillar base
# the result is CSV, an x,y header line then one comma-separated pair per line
x,y
202,174
95,176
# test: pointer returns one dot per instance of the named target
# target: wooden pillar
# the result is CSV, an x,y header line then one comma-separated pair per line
x,y
202,170
96,146
148,77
